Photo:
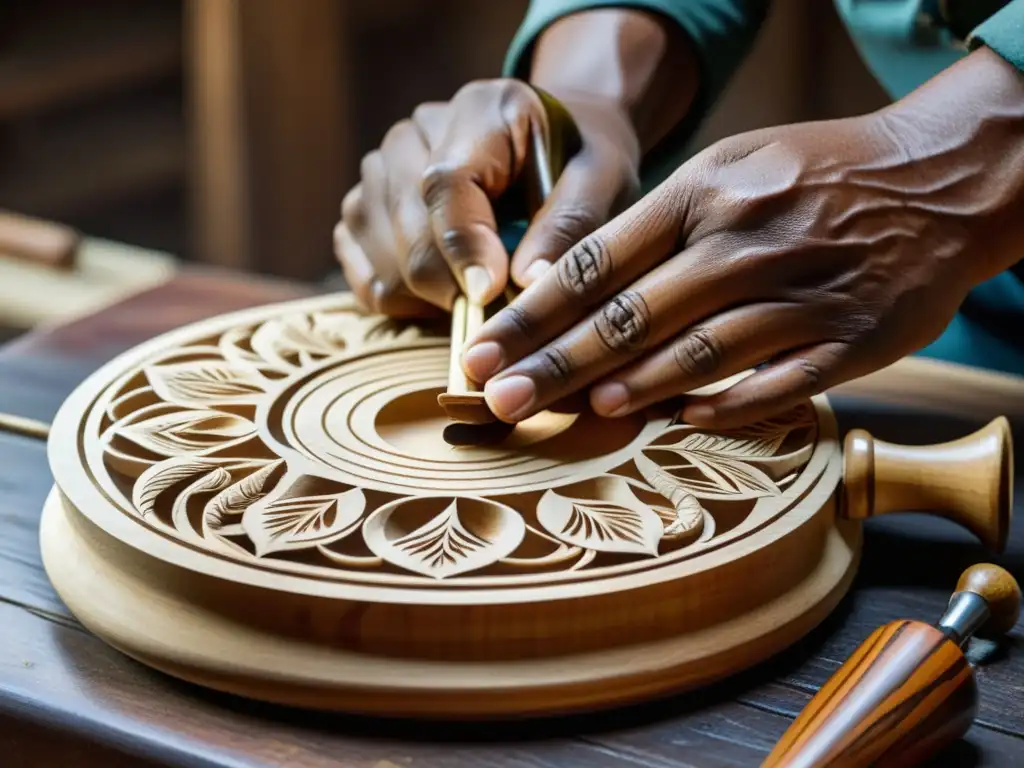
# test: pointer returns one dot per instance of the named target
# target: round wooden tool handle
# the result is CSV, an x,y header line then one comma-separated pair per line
x,y
969,481
1001,593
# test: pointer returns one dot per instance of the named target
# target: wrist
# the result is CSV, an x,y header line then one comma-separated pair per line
x,y
635,66
962,134
604,125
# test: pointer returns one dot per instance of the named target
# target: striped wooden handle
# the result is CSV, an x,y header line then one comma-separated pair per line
x,y
905,694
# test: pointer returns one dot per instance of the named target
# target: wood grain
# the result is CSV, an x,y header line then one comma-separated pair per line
x,y
579,565
968,481
81,687
905,694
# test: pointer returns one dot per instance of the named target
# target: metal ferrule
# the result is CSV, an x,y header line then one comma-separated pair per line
x,y
966,613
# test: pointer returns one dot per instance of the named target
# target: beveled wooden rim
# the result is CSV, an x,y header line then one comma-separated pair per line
x,y
146,621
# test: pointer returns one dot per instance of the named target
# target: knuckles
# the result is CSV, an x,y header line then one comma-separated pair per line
x,y
624,323
583,272
353,210
438,181
811,375
421,267
568,225
372,163
556,365
427,113
699,353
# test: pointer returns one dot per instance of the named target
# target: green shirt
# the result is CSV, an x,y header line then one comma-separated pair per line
x,y
989,329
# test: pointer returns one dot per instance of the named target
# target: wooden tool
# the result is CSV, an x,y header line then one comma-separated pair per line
x,y
264,503
551,149
908,691
37,241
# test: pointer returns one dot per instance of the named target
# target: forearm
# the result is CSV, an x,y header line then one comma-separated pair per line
x,y
641,63
967,126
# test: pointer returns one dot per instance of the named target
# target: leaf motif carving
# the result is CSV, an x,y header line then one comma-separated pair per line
x,y
227,506
208,483
160,477
206,382
303,522
188,432
233,346
465,536
726,464
740,446
276,341
614,521
349,330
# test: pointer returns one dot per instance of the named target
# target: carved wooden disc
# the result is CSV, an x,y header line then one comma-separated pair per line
x,y
264,503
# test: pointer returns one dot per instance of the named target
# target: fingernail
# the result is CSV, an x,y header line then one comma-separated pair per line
x,y
536,269
611,399
509,397
377,294
478,283
482,360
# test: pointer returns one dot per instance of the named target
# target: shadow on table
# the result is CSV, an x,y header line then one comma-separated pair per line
x,y
902,551
786,702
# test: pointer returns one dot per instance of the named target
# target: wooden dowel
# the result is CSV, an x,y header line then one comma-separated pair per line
x,y
20,425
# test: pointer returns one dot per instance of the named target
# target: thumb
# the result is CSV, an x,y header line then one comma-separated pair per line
x,y
583,199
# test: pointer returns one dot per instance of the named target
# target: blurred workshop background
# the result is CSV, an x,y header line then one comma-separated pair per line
x,y
225,132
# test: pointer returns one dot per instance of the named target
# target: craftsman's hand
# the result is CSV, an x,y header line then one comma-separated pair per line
x,y
420,226
823,250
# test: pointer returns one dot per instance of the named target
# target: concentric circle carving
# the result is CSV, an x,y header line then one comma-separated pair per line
x,y
305,440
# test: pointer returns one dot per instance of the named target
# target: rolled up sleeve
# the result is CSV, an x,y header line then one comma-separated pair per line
x,y
1003,32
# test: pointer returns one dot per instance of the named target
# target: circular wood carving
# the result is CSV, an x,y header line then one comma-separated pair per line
x,y
264,503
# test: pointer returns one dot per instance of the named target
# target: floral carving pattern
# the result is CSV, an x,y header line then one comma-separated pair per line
x,y
181,438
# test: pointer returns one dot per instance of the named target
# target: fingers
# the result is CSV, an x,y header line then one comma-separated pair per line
x,y
590,273
423,269
482,152
628,324
779,387
355,266
582,200
715,349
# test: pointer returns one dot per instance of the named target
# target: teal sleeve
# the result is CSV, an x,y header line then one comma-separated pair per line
x,y
722,32
1003,32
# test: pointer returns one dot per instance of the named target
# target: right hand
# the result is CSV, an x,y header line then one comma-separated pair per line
x,y
420,227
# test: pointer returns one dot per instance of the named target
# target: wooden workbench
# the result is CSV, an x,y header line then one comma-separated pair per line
x,y
68,699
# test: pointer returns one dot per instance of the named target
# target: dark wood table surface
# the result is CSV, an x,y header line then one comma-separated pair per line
x,y
66,699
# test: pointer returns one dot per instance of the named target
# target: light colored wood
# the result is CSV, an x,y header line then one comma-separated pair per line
x,y
151,612
969,481
462,400
43,242
20,425
33,294
265,503
918,382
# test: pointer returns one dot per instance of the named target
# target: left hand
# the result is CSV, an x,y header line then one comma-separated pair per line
x,y
823,250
